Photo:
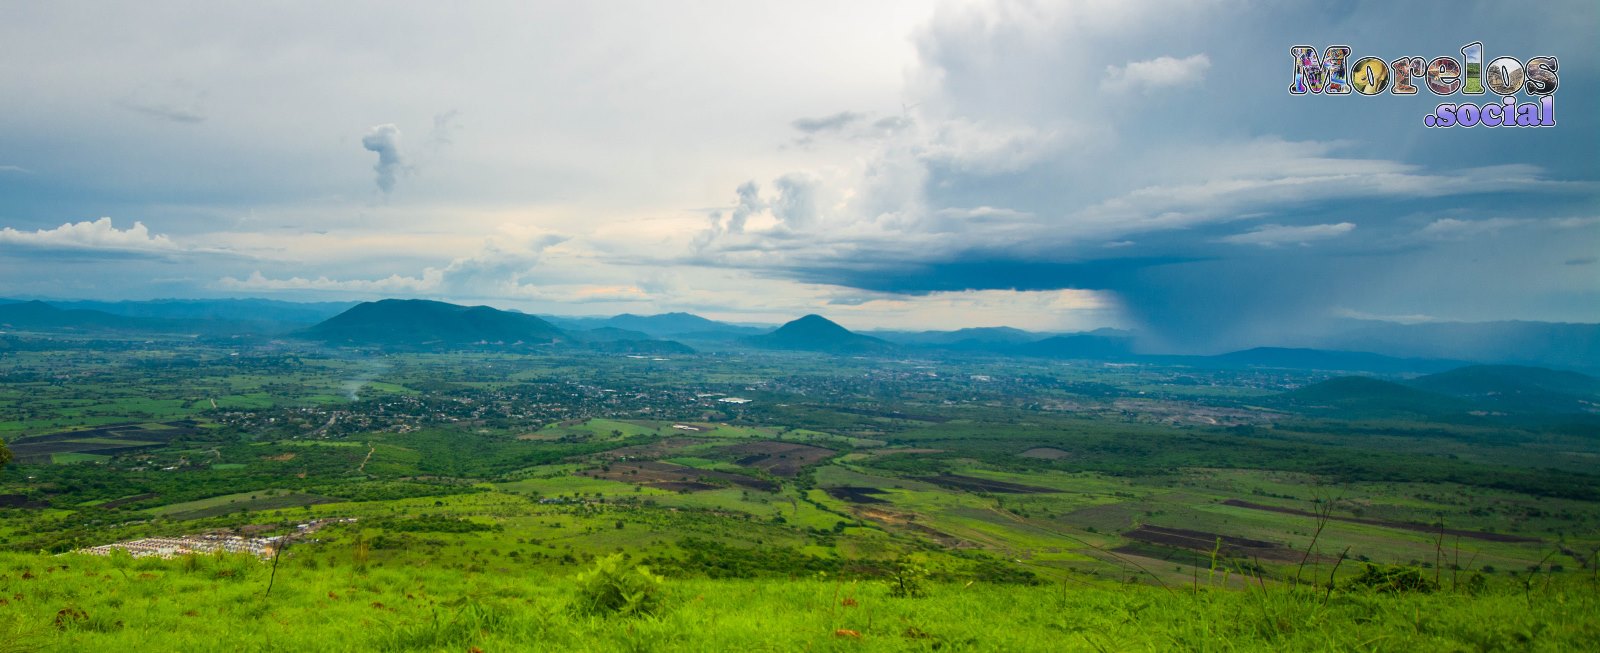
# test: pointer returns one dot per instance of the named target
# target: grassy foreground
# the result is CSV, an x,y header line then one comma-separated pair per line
x,y
210,603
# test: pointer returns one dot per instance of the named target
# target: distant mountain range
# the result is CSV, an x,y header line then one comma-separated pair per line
x,y
1517,388
36,315
980,336
424,324
265,311
1548,344
197,316
1082,346
681,326
1483,390
1322,359
1366,346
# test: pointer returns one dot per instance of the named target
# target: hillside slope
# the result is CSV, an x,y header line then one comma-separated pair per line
x,y
417,322
1517,388
1360,397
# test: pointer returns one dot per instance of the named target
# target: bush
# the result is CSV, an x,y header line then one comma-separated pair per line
x,y
615,586
908,579
1393,580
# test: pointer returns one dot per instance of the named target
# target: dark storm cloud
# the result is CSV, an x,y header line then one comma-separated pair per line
x,y
1217,207
984,272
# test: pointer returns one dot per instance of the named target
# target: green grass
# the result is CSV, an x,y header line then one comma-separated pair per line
x,y
211,502
69,458
219,603
317,443
453,457
567,485
261,504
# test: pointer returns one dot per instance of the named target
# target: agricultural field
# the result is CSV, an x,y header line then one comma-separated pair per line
x,y
837,477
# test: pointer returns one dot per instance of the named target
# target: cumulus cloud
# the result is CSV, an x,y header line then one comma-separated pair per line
x,y
1085,190
1274,235
796,204
749,203
1160,72
384,140
992,148
99,235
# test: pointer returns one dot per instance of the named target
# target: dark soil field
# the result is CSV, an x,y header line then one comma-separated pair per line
x,y
105,440
658,449
668,476
1409,526
115,431
1232,547
778,458
861,495
20,501
683,486
971,484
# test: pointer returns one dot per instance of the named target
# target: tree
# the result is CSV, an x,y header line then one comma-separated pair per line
x,y
5,454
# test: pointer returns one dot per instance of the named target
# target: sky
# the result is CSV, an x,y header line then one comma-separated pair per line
x,y
1054,166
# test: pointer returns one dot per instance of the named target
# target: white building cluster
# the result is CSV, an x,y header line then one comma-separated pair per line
x,y
172,547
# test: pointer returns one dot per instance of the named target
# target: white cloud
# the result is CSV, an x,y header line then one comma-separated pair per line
x,y
384,140
98,235
1453,229
1045,310
1273,235
1411,318
388,285
499,268
1160,72
16,169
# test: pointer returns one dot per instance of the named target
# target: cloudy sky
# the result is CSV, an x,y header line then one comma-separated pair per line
x,y
1054,165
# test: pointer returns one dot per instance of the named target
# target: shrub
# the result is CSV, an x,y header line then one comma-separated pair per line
x,y
908,579
1392,580
615,586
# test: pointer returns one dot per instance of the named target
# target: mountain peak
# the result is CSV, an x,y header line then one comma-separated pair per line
x,y
816,333
413,322
814,321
